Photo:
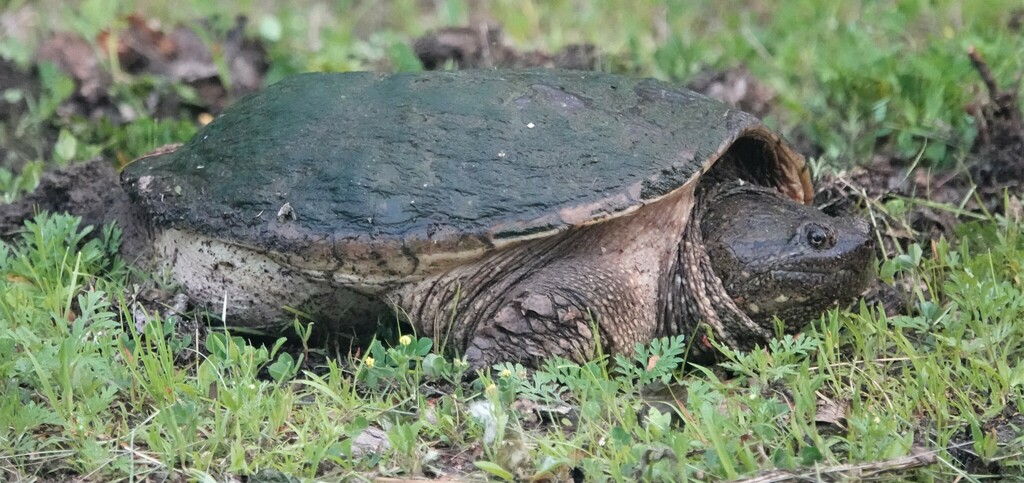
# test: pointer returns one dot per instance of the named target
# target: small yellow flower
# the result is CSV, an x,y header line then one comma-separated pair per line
x,y
405,340
505,373
368,362
491,390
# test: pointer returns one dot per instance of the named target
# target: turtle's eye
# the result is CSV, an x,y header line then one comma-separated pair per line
x,y
819,237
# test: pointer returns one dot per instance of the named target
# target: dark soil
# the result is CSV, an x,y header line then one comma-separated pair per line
x,y
1007,429
999,147
90,190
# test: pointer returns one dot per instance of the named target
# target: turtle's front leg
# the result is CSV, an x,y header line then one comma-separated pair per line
x,y
556,311
504,310
533,326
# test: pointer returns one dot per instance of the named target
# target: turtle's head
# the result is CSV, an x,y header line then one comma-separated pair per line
x,y
776,257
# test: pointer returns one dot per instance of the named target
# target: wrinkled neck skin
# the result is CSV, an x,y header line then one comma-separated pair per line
x,y
696,300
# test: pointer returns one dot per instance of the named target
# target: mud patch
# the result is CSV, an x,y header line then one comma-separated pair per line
x,y
90,190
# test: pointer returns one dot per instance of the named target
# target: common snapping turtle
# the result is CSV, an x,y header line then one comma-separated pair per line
x,y
507,214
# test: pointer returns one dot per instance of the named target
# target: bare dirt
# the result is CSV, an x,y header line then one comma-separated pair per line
x,y
1006,429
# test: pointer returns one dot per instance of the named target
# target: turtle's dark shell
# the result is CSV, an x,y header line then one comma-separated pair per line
x,y
404,174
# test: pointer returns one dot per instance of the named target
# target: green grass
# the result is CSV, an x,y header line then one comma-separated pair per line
x,y
84,393
87,389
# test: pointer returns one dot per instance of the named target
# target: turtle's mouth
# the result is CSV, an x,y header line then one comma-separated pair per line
x,y
795,295
834,282
819,272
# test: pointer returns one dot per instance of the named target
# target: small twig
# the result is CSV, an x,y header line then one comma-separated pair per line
x,y
985,73
915,460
